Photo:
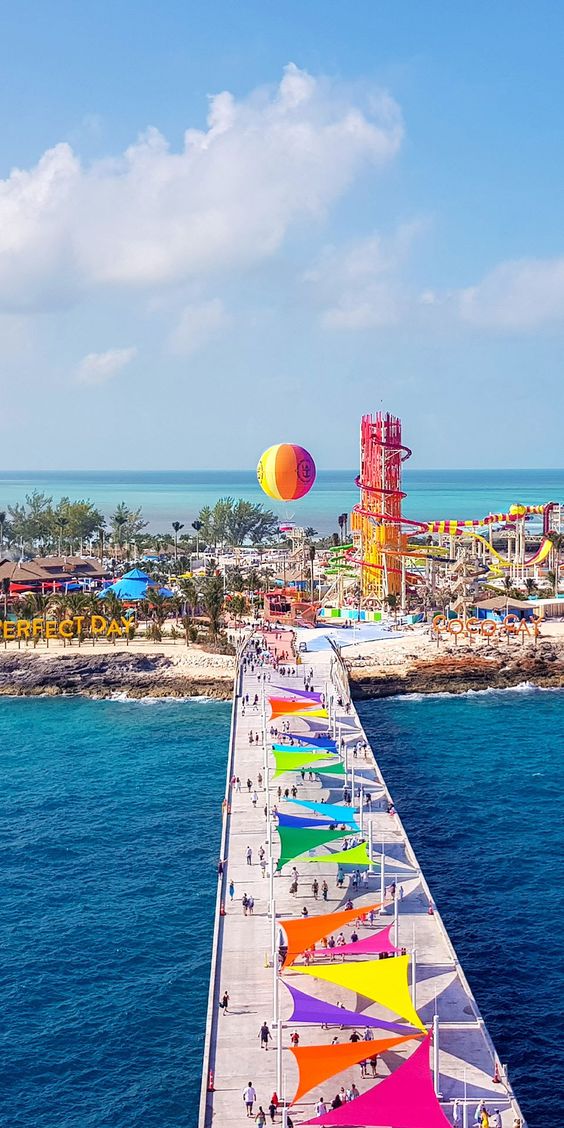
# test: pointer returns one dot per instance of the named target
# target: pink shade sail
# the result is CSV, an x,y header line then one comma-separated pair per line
x,y
380,942
405,1099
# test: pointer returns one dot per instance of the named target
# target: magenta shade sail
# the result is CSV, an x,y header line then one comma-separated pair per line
x,y
379,943
405,1099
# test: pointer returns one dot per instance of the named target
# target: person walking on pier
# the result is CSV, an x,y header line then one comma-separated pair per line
x,y
325,890
249,1097
261,1117
231,889
249,856
315,888
224,1004
264,1035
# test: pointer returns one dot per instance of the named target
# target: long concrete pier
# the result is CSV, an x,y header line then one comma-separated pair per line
x,y
463,1059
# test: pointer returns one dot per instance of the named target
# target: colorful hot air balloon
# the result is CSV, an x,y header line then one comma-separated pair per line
x,y
286,472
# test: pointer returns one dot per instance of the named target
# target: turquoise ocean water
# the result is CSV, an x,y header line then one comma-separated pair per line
x,y
109,833
178,496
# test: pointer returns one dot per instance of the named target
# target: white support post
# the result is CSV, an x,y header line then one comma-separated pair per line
x,y
436,1075
371,866
274,969
414,978
465,1105
361,821
352,783
396,920
278,1043
383,878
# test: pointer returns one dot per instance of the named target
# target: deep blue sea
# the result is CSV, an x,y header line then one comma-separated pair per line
x,y
110,816
109,833
167,496
479,781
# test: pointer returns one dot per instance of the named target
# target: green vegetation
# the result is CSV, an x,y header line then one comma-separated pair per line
x,y
234,522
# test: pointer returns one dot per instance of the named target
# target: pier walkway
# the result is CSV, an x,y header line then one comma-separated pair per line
x,y
463,1058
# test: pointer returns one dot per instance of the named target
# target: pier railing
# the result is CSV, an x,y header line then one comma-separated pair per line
x,y
217,941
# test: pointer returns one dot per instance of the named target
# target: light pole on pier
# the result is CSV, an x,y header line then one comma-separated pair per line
x,y
383,878
396,918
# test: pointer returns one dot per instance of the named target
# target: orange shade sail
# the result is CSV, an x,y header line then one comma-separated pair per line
x,y
319,1063
302,933
281,707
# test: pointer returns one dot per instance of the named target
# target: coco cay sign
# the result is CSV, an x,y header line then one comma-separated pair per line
x,y
94,625
488,628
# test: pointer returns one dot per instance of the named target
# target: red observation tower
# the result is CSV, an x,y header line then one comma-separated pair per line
x,y
377,521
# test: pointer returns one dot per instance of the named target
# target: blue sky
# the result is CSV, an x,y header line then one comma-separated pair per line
x,y
223,226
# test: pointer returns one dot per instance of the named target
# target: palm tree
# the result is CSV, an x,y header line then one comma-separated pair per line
x,y
311,562
393,604
213,602
197,525
530,586
158,608
177,526
2,523
61,524
190,596
552,578
558,547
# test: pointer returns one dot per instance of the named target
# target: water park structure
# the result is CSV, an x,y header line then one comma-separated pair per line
x,y
390,556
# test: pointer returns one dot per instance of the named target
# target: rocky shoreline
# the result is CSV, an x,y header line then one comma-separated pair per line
x,y
106,675
462,673
138,675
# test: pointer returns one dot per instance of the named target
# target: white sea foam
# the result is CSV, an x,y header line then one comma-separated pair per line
x,y
521,687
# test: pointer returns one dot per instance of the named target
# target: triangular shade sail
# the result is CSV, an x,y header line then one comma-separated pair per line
x,y
318,1063
384,981
281,707
319,741
331,769
294,761
334,811
304,933
405,1099
304,748
304,694
307,821
308,1009
294,842
379,942
356,856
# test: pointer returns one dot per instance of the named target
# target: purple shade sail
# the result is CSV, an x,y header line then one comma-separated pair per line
x,y
308,694
308,1009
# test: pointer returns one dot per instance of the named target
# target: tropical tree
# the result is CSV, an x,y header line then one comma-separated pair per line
x,y
552,578
238,605
233,522
61,522
177,526
530,586
159,606
558,549
190,596
197,526
392,599
3,516
311,554
212,598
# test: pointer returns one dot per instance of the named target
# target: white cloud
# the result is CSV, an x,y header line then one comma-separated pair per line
x,y
98,368
197,325
359,286
521,295
153,217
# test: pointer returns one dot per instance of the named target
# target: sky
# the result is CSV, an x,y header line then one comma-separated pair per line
x,y
225,225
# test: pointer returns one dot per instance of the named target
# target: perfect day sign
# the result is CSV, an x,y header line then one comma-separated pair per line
x,y
95,625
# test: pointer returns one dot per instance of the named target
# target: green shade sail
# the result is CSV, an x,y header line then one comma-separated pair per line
x,y
293,761
356,856
294,842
